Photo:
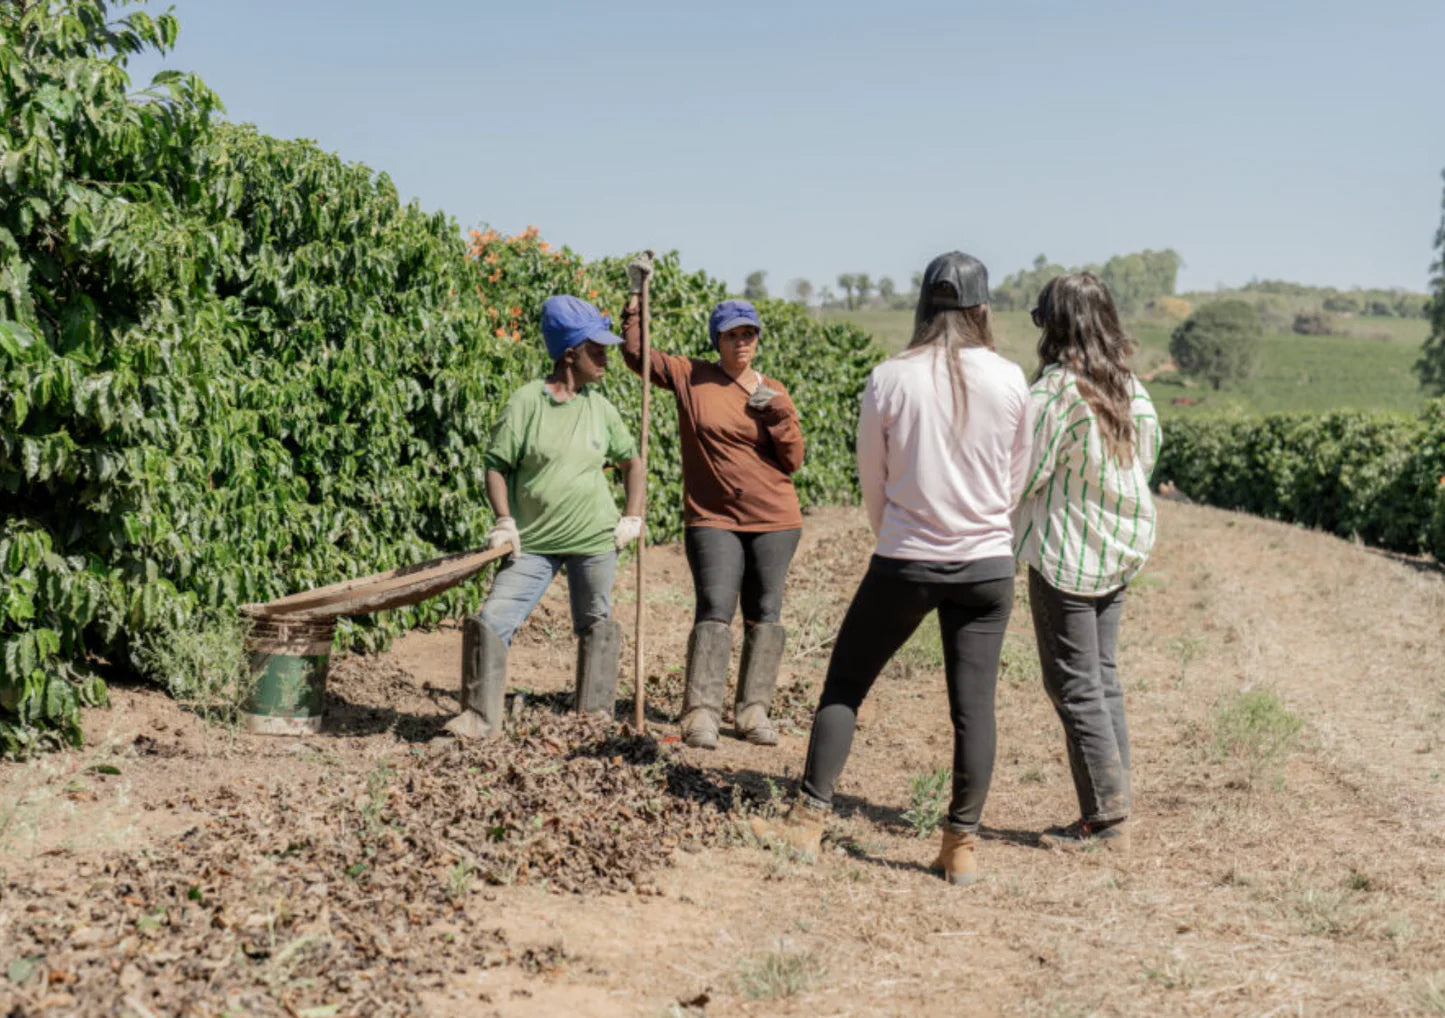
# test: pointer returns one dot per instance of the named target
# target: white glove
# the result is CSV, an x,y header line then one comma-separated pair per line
x,y
505,532
639,270
628,529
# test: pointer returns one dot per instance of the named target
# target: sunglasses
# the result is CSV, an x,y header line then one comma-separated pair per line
x,y
1037,316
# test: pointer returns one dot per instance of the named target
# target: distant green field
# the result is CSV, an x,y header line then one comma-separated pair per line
x,y
1309,373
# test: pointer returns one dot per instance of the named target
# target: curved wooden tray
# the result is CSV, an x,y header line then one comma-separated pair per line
x,y
380,591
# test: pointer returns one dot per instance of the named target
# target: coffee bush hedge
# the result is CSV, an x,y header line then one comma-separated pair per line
x,y
1379,477
233,367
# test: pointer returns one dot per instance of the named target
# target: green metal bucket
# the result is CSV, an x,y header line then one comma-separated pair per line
x,y
289,659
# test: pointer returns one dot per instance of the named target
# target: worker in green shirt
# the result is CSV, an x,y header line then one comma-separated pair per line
x,y
555,510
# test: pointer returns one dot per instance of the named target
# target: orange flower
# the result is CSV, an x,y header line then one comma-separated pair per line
x,y
591,294
516,312
495,276
501,333
491,259
544,246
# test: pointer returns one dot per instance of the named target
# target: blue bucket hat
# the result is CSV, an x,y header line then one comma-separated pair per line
x,y
569,321
729,315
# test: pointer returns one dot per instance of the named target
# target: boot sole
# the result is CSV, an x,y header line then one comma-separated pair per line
x,y
956,879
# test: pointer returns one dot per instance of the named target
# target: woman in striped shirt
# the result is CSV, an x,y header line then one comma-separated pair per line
x,y
1084,527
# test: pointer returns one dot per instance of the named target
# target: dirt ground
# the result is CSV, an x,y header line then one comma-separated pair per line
x,y
1306,878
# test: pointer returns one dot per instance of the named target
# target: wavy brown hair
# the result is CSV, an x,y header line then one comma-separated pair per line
x,y
1082,332
946,331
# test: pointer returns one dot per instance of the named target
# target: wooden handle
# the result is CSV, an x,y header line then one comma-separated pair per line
x,y
639,671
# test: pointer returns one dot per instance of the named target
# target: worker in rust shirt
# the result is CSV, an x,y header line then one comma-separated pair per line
x,y
741,444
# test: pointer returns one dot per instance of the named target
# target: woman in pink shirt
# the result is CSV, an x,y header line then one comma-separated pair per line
x,y
943,446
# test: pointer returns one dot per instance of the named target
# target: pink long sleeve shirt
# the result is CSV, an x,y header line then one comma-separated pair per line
x,y
933,493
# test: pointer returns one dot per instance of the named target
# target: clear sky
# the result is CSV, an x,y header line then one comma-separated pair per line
x,y
1294,140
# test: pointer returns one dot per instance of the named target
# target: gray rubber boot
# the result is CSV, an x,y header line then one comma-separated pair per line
x,y
709,652
484,681
757,676
598,651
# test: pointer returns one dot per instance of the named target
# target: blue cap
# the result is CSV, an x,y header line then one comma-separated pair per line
x,y
729,315
569,321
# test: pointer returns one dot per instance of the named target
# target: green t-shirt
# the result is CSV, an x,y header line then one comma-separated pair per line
x,y
552,455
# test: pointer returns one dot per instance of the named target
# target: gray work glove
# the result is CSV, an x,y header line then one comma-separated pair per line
x,y
639,270
761,397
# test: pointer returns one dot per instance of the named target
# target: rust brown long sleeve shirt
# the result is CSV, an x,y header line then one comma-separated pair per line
x,y
737,463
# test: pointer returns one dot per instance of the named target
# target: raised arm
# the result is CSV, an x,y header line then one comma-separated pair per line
x,y
664,366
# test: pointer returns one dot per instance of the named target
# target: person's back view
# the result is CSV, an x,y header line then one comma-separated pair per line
x,y
942,449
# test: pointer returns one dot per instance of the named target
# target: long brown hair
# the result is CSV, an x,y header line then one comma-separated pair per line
x,y
1082,332
947,331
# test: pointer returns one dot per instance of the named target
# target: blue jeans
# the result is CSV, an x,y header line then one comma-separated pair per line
x,y
522,581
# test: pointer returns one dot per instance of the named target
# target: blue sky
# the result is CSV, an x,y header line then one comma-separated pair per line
x,y
1294,140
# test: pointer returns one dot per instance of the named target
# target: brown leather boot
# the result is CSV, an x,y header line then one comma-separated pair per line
x,y
956,862
800,828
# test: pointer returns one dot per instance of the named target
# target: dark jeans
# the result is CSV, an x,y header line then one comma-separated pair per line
x,y
973,601
726,563
1078,639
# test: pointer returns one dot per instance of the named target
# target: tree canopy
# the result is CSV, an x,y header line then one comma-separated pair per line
x,y
1219,342
1431,366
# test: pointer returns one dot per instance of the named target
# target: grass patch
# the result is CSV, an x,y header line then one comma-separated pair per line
x,y
1256,731
928,793
778,974
1430,993
203,665
1019,662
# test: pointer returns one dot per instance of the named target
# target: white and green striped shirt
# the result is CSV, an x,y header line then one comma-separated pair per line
x,y
1085,521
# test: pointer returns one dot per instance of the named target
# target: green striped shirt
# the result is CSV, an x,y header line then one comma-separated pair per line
x,y
1085,521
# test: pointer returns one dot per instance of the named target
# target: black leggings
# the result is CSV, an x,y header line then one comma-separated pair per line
x,y
888,607
726,563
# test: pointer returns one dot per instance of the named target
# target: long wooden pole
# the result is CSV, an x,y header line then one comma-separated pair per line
x,y
639,692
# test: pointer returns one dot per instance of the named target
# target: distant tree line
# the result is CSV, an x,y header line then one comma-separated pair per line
x,y
1377,303
1136,280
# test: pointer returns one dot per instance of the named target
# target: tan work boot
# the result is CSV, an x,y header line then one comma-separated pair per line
x,y
800,828
757,675
956,862
1082,836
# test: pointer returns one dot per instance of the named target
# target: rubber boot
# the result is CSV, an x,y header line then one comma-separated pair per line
x,y
709,652
800,829
757,676
956,862
484,681
598,651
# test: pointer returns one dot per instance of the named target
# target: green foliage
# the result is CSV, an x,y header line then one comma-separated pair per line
x,y
1430,368
233,367
928,793
1255,730
204,665
1379,476
1219,342
1313,323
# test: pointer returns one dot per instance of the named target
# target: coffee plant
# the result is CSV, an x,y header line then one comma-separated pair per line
x,y
233,367
1376,476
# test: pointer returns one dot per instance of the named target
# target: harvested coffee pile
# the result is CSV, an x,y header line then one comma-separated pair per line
x,y
348,896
